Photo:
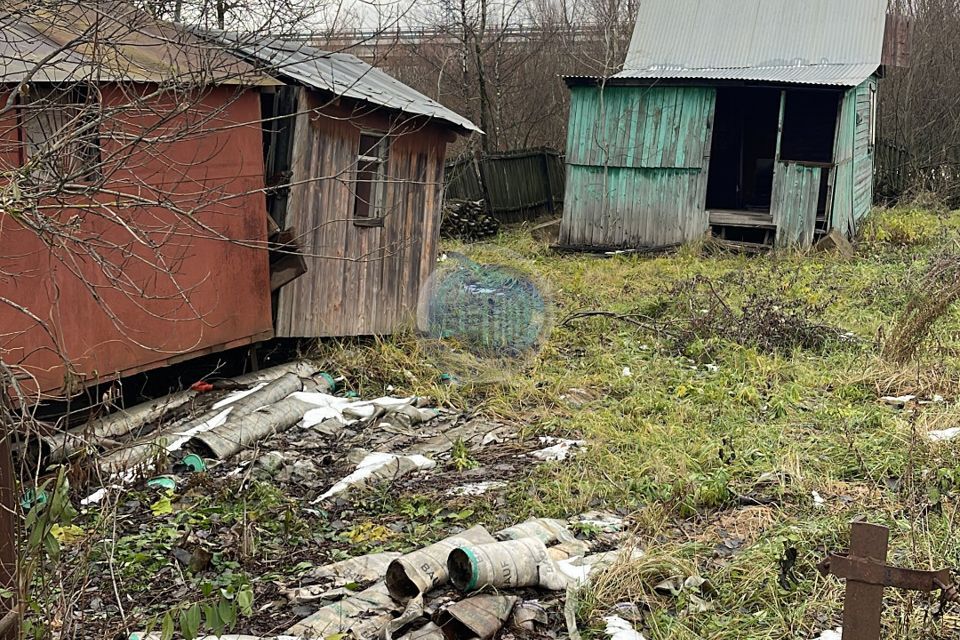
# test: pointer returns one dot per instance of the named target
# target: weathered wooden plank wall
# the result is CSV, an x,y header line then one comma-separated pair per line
x,y
854,159
360,280
863,151
796,194
520,185
637,161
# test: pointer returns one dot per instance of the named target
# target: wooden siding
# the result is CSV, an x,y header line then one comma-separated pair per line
x,y
359,280
637,161
796,191
863,153
854,157
639,126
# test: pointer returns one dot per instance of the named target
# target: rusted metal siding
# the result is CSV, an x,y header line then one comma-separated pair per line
x,y
359,280
212,291
854,159
796,192
637,161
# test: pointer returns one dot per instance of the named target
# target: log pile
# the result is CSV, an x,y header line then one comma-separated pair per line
x,y
468,221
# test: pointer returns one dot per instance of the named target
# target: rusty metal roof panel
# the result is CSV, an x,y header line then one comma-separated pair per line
x,y
109,40
808,42
343,75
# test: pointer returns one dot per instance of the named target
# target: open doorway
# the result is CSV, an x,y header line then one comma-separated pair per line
x,y
743,149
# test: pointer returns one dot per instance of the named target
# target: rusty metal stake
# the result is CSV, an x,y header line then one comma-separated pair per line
x,y
867,574
9,617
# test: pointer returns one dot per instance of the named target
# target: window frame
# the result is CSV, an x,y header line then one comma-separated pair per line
x,y
873,117
374,214
65,105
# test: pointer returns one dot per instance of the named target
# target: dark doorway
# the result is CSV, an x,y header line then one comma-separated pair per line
x,y
743,149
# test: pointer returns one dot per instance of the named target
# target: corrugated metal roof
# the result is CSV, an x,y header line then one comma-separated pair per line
x,y
343,75
109,40
834,42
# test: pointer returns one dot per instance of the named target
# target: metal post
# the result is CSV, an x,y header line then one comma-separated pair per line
x,y
863,603
9,618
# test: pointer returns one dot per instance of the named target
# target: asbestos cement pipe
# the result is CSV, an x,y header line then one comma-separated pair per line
x,y
507,565
174,437
424,570
58,447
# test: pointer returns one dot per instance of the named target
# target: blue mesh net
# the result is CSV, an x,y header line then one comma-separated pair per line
x,y
491,310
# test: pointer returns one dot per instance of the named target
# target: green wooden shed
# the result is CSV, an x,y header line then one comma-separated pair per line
x,y
753,120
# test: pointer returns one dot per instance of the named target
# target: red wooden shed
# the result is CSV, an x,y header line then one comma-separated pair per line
x,y
132,211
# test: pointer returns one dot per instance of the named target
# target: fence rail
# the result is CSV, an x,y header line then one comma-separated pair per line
x,y
516,186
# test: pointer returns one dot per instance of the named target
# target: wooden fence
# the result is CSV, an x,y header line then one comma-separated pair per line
x,y
516,186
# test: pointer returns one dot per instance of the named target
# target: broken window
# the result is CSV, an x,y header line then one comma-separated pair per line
x,y
61,134
370,184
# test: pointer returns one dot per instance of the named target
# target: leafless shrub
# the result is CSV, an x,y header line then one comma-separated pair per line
x,y
766,319
932,298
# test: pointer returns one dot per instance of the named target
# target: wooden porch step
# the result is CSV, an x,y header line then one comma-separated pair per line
x,y
730,218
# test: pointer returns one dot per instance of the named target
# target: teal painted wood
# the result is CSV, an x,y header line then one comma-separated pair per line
x,y
841,217
639,126
863,152
796,193
854,158
622,207
637,160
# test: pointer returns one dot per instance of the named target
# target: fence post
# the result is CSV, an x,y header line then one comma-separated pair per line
x,y
549,183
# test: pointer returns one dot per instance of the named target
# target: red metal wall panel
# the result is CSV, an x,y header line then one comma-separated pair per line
x,y
131,286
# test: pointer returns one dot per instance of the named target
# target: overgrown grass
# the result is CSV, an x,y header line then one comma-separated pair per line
x,y
707,424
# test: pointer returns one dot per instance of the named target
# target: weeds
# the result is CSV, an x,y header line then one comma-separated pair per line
x,y
932,298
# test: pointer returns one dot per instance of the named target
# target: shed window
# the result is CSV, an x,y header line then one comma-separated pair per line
x,y
370,185
61,133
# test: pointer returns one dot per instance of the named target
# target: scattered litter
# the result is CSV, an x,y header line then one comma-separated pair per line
x,y
362,614
712,368
626,373
528,615
897,401
561,450
379,466
620,629
476,488
33,497
835,634
162,482
817,499
599,520
478,617
194,463
943,435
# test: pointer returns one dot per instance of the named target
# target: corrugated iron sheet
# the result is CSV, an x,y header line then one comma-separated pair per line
x,y
108,40
808,42
342,75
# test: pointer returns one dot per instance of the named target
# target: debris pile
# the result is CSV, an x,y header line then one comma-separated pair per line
x,y
467,220
469,585
286,426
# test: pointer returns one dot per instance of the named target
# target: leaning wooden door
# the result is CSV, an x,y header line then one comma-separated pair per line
x,y
796,195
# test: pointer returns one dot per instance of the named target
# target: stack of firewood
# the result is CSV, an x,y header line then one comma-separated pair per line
x,y
467,220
